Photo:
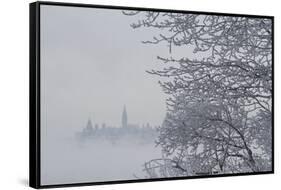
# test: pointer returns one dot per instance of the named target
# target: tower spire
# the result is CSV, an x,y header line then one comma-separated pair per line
x,y
124,117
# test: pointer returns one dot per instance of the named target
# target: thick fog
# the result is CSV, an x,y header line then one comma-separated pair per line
x,y
100,108
92,64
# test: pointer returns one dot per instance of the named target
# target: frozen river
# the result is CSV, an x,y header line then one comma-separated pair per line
x,y
70,161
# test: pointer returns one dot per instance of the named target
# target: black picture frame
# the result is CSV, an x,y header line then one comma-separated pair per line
x,y
34,98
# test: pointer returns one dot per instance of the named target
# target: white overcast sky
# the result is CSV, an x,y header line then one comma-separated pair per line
x,y
92,64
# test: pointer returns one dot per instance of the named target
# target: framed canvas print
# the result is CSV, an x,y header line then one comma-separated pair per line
x,y
125,94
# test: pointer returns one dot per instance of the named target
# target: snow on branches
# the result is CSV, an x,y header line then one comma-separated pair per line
x,y
220,96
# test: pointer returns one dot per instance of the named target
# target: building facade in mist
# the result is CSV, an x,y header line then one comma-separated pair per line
x,y
145,133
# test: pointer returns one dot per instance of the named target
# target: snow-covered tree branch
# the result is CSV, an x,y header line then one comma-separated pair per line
x,y
220,96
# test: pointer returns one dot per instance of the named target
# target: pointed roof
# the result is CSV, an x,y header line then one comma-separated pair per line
x,y
124,109
124,117
89,124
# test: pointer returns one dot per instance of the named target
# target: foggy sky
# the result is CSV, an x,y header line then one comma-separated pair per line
x,y
92,64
